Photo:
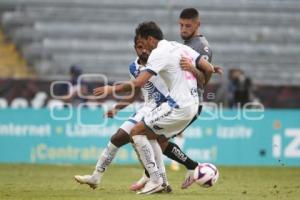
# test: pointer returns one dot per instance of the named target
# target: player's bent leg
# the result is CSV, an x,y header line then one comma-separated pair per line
x,y
140,184
160,164
173,151
139,136
169,121
119,139
179,140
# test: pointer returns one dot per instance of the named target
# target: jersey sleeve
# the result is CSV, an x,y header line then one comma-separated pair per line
x,y
156,63
132,68
206,52
192,54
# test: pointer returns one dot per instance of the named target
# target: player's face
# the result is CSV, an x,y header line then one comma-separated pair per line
x,y
148,44
188,28
141,52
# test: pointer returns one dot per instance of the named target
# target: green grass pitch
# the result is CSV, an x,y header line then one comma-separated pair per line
x,y
23,181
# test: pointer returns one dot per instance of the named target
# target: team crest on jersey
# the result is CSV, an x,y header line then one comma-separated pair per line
x,y
156,96
194,92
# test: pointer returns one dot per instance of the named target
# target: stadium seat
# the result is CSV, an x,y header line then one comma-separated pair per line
x,y
258,36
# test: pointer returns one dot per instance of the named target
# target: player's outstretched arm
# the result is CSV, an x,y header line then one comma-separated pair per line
x,y
128,86
123,103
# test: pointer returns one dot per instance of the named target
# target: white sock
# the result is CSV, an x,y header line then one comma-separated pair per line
x,y
159,160
106,158
146,153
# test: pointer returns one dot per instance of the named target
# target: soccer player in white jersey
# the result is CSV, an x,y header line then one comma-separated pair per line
x,y
154,93
152,97
172,116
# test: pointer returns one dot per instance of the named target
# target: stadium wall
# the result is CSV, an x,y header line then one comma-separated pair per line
x,y
12,89
224,137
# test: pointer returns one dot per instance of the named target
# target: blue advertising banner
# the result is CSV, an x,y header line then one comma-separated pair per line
x,y
226,137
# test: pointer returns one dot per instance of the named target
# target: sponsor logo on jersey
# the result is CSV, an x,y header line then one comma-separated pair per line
x,y
161,117
157,127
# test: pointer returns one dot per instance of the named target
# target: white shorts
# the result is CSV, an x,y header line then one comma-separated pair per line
x,y
168,121
135,118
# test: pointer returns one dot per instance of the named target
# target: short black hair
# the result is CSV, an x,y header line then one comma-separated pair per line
x,y
135,40
189,13
146,29
76,70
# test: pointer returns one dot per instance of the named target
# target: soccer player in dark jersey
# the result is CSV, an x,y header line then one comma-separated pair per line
x,y
189,23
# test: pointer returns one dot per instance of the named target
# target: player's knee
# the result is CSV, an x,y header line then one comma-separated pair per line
x,y
134,131
120,138
163,143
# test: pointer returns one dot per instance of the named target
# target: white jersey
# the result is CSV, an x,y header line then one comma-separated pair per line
x,y
154,91
164,61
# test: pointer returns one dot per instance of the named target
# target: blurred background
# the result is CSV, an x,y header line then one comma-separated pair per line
x,y
41,41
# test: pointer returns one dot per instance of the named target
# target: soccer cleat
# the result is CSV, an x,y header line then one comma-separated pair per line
x,y
91,180
140,183
189,179
167,189
152,187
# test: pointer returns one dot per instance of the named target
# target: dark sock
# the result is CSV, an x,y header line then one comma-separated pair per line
x,y
147,173
173,152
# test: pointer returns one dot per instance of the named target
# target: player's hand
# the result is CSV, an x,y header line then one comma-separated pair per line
x,y
105,90
218,70
186,64
111,113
